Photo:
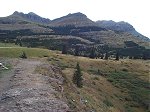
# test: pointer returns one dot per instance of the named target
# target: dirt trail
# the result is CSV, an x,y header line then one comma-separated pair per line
x,y
23,90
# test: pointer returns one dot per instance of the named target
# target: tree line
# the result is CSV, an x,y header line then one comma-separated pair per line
x,y
95,53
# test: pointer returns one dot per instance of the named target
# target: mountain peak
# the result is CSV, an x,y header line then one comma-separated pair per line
x,y
17,13
31,17
78,14
76,19
32,13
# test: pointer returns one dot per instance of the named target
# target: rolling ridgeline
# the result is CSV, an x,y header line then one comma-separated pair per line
x,y
75,31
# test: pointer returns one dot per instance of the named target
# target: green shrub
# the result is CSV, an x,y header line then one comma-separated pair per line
x,y
137,88
108,103
23,55
128,108
125,69
96,78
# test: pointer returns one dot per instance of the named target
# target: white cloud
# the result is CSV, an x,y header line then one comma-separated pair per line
x,y
132,11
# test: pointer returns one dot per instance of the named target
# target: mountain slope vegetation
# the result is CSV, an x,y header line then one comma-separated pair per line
x,y
73,30
108,85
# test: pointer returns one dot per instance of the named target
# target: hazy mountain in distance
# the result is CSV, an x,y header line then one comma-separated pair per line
x,y
121,27
76,19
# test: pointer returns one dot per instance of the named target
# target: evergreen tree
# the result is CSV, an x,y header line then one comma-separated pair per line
x,y
92,53
77,77
64,49
23,55
76,51
20,43
145,55
16,42
117,56
106,56
130,57
102,56
98,55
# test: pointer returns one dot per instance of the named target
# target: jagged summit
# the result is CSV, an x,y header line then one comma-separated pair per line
x,y
32,17
16,13
32,13
78,14
76,19
21,13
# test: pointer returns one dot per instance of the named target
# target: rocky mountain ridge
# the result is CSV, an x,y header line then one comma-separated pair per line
x,y
76,24
75,19
31,17
121,27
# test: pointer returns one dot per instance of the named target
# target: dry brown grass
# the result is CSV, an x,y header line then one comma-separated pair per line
x,y
97,88
136,67
94,91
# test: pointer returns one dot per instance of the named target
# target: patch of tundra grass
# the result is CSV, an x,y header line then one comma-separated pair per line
x,y
8,45
30,52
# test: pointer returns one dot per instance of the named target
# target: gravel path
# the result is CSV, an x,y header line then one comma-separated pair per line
x,y
23,90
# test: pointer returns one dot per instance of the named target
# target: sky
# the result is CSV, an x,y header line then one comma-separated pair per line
x,y
135,12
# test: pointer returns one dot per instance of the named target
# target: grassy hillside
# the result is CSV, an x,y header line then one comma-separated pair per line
x,y
108,85
8,45
17,51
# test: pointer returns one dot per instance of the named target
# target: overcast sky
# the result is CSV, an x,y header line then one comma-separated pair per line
x,y
135,12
